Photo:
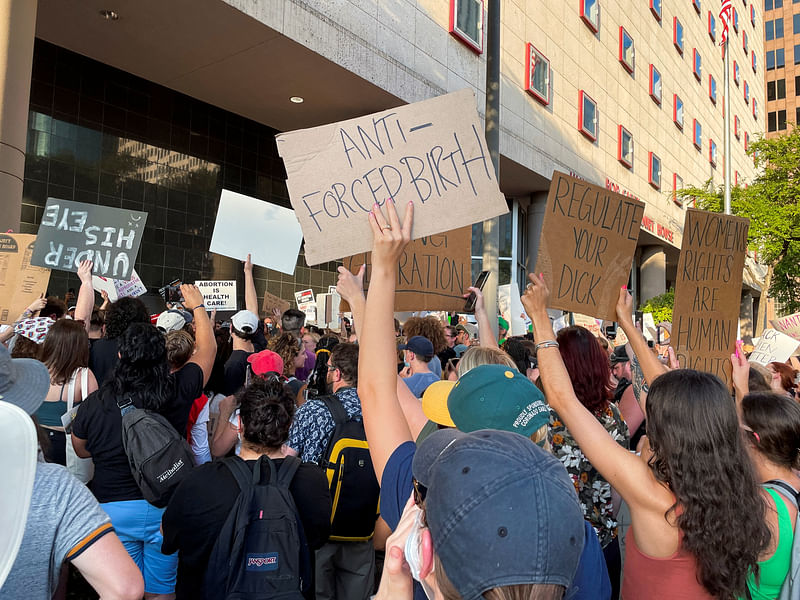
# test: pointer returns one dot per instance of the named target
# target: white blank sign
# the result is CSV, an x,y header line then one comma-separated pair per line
x,y
247,225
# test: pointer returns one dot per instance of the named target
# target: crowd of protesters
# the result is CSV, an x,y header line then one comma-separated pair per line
x,y
548,466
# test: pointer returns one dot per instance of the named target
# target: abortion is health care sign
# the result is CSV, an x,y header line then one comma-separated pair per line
x,y
218,295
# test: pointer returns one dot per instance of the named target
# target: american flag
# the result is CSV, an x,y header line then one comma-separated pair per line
x,y
725,15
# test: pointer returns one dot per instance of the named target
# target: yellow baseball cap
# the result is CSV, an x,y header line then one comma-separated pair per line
x,y
434,402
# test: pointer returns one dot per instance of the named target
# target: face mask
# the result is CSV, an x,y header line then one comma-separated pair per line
x,y
406,363
413,555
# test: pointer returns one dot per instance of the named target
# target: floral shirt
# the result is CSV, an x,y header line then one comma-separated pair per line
x,y
594,492
313,425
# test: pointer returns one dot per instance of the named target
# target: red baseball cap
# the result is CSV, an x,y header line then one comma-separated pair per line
x,y
265,362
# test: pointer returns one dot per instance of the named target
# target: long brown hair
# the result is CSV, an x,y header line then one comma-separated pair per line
x,y
287,347
65,348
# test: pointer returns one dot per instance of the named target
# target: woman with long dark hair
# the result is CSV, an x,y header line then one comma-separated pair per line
x,y
65,353
318,380
698,516
590,373
141,377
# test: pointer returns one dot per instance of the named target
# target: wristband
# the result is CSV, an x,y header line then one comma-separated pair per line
x,y
203,306
546,344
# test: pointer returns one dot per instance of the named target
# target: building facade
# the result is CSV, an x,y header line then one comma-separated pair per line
x,y
782,57
157,106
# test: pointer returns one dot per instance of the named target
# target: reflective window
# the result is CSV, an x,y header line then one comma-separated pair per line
x,y
538,75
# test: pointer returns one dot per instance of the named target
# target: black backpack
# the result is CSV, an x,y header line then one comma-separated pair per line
x,y
261,552
158,456
351,477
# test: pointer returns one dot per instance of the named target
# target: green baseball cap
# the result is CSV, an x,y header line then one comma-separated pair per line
x,y
497,397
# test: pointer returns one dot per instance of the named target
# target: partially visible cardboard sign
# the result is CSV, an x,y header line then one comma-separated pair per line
x,y
586,250
119,288
773,346
271,301
708,291
247,225
328,308
590,323
71,232
789,325
510,308
432,153
20,282
649,327
433,273
218,295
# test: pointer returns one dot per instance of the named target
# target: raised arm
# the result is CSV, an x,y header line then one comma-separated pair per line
x,y
250,297
33,308
651,366
623,470
205,342
740,373
485,334
384,422
85,303
351,288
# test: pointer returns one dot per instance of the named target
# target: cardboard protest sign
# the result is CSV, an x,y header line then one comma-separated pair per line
x,y
789,325
20,282
247,225
705,317
271,301
218,295
71,232
587,322
773,346
586,250
510,308
119,288
433,272
432,153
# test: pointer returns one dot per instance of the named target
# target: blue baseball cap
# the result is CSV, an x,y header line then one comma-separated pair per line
x,y
419,345
501,510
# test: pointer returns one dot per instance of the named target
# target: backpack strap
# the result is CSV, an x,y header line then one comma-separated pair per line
x,y
784,489
240,470
287,471
334,406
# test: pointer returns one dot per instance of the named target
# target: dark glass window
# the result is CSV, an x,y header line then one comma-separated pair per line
x,y
781,120
781,88
772,122
770,90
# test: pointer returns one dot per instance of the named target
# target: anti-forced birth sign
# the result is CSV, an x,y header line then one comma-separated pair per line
x,y
433,272
219,295
71,232
432,153
586,250
708,291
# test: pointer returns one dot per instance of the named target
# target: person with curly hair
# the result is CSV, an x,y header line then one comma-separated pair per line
x,y
699,524
104,352
291,351
194,518
431,328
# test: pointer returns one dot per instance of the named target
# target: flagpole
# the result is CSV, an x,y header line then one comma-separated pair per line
x,y
727,136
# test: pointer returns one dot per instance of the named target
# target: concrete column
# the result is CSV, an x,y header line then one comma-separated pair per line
x,y
535,220
747,317
17,32
653,273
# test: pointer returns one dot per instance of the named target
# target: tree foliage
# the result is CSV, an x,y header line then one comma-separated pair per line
x,y
660,306
772,203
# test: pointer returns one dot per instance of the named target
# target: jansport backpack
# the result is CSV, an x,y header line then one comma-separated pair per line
x,y
791,585
351,477
159,457
261,552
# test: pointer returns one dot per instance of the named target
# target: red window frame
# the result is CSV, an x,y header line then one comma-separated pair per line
x,y
744,42
736,74
656,99
753,60
628,67
620,157
755,109
695,69
696,4
581,96
712,31
675,198
650,180
746,141
753,15
712,89
697,143
746,92
679,47
529,52
585,18
461,37
735,19
736,127
736,178
675,99
653,10
711,151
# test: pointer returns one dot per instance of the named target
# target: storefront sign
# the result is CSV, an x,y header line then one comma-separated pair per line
x,y
433,272
432,153
218,295
708,291
71,232
586,250
20,282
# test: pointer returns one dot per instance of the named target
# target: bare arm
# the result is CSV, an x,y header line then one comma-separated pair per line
x,y
628,474
205,342
384,422
351,288
412,408
250,297
85,303
79,445
740,373
33,308
485,334
651,366
225,434
109,569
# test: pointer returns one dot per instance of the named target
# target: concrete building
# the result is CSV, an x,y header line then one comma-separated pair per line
x,y
158,105
782,57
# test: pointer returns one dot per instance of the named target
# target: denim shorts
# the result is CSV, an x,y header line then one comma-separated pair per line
x,y
138,526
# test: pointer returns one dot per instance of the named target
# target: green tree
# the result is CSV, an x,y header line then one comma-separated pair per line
x,y
772,203
661,306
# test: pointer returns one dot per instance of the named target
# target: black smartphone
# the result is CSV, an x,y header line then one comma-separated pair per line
x,y
610,331
469,305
